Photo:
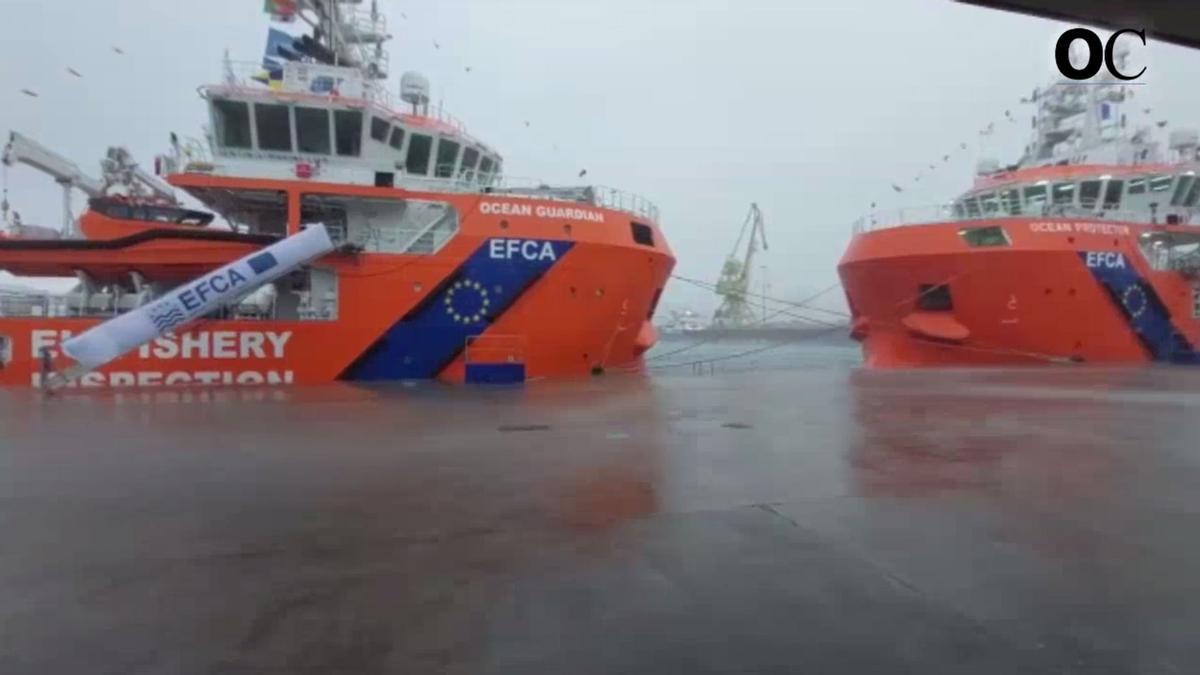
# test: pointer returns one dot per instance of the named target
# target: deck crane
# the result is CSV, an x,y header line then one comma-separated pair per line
x,y
121,175
734,284
64,172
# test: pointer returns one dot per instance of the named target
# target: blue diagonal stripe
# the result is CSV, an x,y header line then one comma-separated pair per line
x,y
432,335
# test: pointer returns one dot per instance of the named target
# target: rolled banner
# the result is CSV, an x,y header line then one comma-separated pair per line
x,y
188,302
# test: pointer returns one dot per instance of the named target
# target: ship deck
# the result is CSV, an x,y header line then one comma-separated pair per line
x,y
825,520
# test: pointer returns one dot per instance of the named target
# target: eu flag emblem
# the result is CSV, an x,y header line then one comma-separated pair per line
x,y
467,302
262,262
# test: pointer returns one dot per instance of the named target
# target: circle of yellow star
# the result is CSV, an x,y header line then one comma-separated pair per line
x,y
484,301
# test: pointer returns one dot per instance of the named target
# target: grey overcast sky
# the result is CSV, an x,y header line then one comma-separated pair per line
x,y
811,109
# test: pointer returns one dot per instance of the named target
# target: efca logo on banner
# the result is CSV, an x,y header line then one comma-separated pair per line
x,y
1081,54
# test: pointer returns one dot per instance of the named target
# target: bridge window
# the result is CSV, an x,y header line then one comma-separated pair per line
x,y
1063,194
312,130
379,129
989,203
232,120
1035,198
469,160
1012,201
485,169
397,139
1112,194
1181,189
972,206
348,127
1193,195
1136,186
5,351
447,155
1160,183
274,127
419,147
985,236
1089,193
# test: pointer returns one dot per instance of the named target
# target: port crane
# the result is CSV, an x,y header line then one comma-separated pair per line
x,y
734,283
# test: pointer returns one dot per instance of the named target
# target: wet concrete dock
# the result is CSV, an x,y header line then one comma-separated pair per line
x,y
819,521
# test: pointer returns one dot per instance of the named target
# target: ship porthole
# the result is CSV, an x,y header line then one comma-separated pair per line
x,y
567,228
5,350
504,224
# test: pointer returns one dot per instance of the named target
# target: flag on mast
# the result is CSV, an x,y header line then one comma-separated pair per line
x,y
280,10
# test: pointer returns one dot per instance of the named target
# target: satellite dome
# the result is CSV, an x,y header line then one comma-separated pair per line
x,y
414,88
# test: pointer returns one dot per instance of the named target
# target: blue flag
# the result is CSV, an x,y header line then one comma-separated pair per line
x,y
273,58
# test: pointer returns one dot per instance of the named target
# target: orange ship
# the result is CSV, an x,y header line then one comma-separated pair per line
x,y
1083,251
443,268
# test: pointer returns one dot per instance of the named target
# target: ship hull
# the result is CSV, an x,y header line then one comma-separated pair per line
x,y
508,297
1059,291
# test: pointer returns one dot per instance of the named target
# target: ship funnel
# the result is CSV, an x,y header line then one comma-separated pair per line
x,y
414,89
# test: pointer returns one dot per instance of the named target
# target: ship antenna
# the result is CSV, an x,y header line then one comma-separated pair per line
x,y
5,222
4,199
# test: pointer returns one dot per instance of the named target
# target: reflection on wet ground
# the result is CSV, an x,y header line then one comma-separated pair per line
x,y
813,520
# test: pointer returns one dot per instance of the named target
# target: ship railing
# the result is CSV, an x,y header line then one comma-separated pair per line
x,y
595,195
383,97
251,76
188,154
626,201
530,188
361,26
913,215
469,182
942,213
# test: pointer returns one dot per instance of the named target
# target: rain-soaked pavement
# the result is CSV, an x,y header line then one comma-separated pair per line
x,y
816,521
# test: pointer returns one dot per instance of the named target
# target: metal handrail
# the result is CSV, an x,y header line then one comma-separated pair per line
x,y
240,76
944,213
602,196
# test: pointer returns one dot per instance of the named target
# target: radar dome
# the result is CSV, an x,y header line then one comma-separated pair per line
x,y
986,166
1183,138
414,88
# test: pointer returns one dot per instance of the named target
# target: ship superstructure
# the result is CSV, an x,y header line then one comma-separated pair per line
x,y
1085,250
443,268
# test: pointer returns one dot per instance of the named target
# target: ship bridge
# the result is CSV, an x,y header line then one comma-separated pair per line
x,y
327,123
317,108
